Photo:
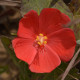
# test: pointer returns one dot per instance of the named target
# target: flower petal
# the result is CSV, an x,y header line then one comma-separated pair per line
x,y
24,49
65,19
28,25
45,61
63,43
52,28
49,16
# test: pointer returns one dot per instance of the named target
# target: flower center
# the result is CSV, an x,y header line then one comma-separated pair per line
x,y
41,39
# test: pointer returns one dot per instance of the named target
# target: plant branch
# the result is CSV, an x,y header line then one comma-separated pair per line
x,y
68,75
10,2
76,63
70,65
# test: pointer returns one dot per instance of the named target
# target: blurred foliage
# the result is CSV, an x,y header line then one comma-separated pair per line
x,y
63,8
3,69
75,8
73,74
36,5
74,5
73,11
7,42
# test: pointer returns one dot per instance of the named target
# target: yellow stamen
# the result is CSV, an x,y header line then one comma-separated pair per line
x,y
39,43
45,42
41,39
45,37
37,38
41,34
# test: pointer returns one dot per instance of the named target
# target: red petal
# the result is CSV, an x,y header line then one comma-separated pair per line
x,y
45,61
65,19
49,16
28,25
53,28
24,49
63,43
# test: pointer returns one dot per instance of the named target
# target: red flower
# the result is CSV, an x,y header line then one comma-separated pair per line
x,y
42,40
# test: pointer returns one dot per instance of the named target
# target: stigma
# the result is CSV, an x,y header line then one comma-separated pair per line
x,y
41,39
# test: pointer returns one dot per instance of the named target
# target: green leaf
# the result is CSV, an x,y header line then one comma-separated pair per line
x,y
7,42
3,69
63,8
76,27
72,75
49,76
36,5
75,7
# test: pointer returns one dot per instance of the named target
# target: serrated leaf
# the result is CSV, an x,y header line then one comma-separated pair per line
x,y
36,5
63,8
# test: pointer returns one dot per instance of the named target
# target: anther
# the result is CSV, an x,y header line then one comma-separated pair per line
x,y
45,42
45,37
40,34
39,43
41,39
